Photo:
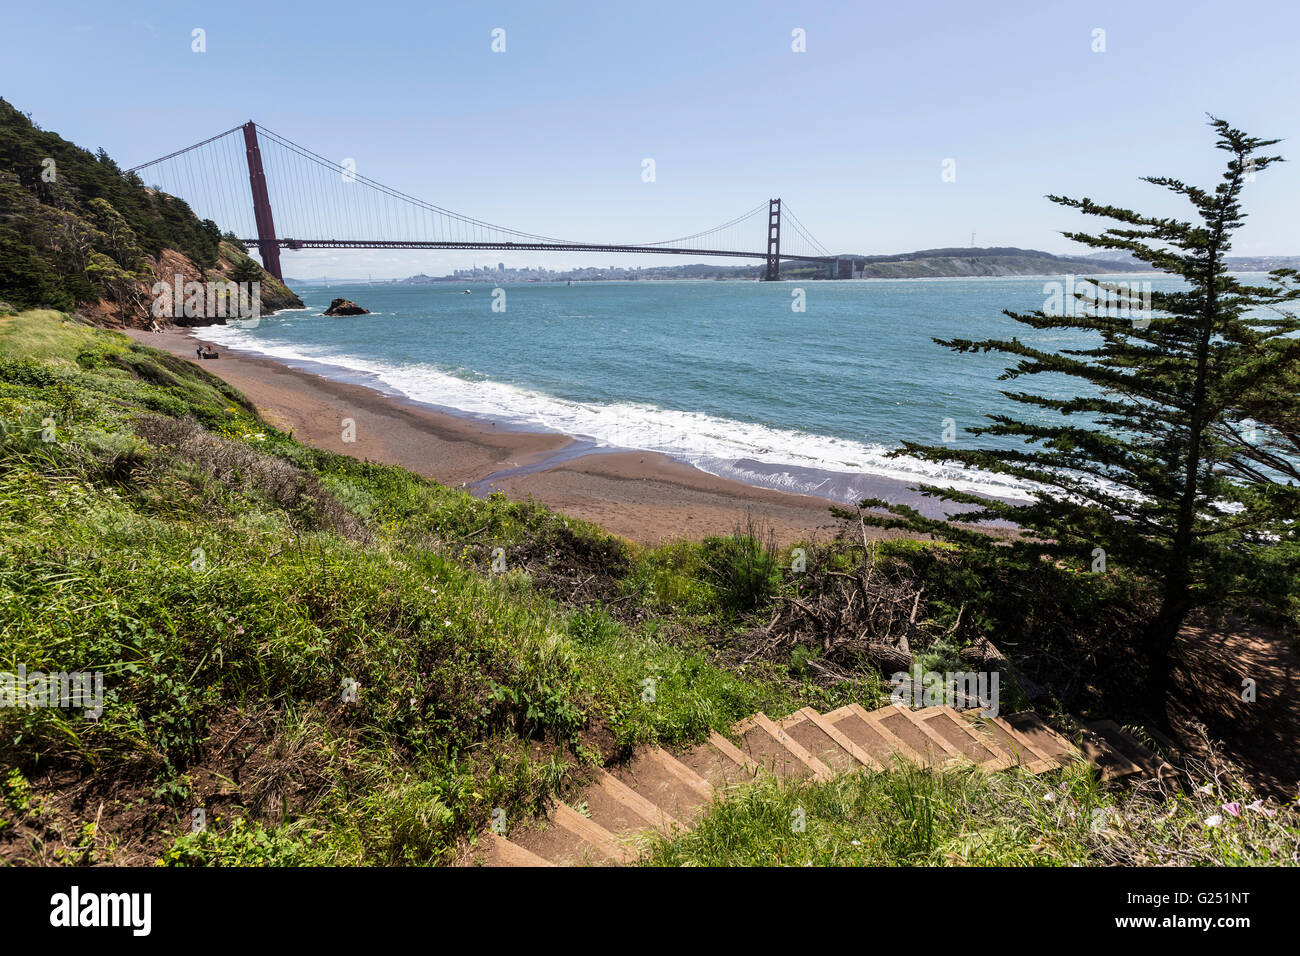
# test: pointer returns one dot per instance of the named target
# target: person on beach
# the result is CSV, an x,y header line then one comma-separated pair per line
x,y
199,351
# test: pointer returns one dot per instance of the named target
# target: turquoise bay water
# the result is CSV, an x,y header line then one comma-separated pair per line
x,y
724,375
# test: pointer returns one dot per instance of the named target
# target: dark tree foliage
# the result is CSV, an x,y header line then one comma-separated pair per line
x,y
1177,453
49,231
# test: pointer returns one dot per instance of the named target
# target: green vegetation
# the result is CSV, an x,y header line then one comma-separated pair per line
x,y
743,569
919,817
315,651
232,585
993,261
75,230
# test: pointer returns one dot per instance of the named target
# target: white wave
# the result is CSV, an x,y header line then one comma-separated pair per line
x,y
715,445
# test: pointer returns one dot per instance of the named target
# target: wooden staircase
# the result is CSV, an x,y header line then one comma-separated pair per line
x,y
656,790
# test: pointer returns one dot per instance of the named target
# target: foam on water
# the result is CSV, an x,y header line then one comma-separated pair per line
x,y
786,459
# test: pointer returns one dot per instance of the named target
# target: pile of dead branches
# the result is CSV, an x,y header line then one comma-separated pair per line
x,y
868,615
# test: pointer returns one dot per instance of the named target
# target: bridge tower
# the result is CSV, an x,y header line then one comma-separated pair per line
x,y
266,241
773,271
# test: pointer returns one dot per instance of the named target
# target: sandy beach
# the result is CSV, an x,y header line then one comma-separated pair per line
x,y
645,497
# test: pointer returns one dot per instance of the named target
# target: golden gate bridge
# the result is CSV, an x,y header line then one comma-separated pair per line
x,y
275,194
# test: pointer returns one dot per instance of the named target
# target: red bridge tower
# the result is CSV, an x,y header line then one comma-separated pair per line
x,y
266,241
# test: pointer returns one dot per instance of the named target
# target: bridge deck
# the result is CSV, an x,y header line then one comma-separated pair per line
x,y
523,247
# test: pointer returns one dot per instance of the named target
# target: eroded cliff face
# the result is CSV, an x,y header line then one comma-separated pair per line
x,y
156,303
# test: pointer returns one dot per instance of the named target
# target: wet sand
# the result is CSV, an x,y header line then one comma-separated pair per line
x,y
643,496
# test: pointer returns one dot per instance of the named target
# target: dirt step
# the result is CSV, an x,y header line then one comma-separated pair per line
x,y
776,751
583,827
496,850
1043,738
560,845
621,810
823,740
859,726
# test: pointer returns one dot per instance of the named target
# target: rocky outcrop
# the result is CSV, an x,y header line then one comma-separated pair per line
x,y
144,308
345,307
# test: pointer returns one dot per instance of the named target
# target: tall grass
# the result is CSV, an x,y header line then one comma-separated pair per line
x,y
743,567
922,817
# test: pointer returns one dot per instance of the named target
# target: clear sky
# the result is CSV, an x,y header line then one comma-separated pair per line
x,y
550,135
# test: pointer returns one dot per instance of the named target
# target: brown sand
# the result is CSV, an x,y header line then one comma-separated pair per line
x,y
646,497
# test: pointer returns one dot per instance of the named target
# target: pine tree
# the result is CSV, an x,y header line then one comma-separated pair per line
x,y
1175,450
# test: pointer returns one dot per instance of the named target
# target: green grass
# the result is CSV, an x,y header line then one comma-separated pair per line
x,y
218,569
43,333
921,817
316,652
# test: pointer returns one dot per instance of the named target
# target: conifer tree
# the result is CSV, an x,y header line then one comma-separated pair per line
x,y
1173,446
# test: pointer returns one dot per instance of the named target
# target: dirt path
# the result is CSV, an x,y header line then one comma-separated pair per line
x,y
1262,735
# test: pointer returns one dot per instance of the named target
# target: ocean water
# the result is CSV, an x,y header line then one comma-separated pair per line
x,y
722,374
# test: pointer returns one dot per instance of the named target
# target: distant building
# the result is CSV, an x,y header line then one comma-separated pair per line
x,y
501,267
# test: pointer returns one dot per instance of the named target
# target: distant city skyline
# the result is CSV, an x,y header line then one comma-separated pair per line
x,y
888,130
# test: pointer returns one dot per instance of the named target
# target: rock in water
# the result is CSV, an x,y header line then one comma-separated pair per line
x,y
345,307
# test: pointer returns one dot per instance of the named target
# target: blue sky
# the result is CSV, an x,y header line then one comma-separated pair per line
x,y
549,136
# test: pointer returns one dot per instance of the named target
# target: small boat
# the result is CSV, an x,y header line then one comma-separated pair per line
x,y
467,292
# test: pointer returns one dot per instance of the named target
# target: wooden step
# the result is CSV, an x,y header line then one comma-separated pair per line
x,y
562,846
1043,738
820,738
947,722
920,737
664,781
720,762
620,809
997,734
1119,755
682,772
562,815
776,751
498,851
857,724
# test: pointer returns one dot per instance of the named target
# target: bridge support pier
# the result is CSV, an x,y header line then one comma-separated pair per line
x,y
267,245
773,270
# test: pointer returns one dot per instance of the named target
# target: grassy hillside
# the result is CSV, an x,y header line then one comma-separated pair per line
x,y
315,651
228,582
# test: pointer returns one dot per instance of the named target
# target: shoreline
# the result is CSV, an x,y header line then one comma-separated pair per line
x,y
646,497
